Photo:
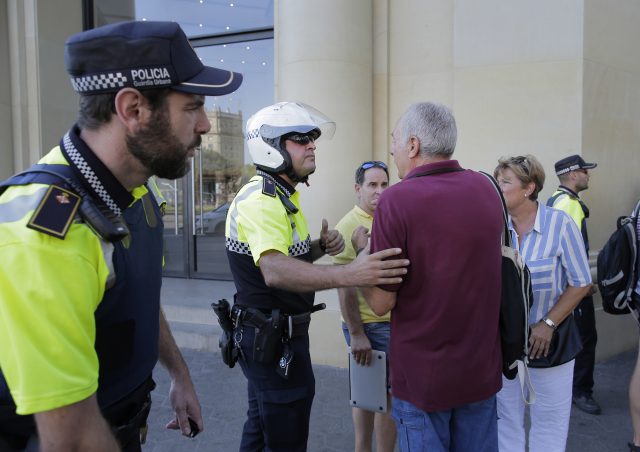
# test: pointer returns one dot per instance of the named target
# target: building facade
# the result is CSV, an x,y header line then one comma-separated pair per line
x,y
541,77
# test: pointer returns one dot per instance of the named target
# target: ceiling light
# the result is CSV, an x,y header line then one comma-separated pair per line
x,y
242,61
264,64
231,5
221,60
144,19
248,47
200,25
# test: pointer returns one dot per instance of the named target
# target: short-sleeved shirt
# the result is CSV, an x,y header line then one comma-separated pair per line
x,y
554,252
50,290
445,342
258,222
354,218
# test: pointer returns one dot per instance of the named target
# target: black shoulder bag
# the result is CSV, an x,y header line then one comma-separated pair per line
x,y
517,295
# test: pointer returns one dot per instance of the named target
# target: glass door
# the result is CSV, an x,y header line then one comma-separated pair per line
x,y
175,249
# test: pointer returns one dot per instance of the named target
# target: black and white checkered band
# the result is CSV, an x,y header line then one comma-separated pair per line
x,y
99,82
89,175
300,248
237,246
566,170
140,78
282,188
255,133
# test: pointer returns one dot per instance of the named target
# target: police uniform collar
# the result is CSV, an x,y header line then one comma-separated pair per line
x,y
96,177
574,195
282,184
568,191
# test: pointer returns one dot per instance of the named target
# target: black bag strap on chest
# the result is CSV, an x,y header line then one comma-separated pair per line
x,y
99,217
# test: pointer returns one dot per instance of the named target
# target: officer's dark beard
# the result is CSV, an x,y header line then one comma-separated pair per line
x,y
159,150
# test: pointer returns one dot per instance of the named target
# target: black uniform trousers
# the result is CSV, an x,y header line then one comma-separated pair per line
x,y
279,409
585,318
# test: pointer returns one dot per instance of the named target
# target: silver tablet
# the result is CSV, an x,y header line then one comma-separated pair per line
x,y
368,384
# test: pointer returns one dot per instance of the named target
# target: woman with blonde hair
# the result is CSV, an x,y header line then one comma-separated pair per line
x,y
551,245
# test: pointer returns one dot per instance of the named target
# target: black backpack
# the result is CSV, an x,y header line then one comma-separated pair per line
x,y
618,265
517,296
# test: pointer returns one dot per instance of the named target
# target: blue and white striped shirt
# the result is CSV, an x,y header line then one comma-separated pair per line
x,y
554,252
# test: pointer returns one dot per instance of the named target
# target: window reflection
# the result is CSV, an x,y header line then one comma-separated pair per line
x,y
196,17
197,205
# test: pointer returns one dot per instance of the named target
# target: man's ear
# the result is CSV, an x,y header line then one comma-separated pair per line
x,y
414,146
132,108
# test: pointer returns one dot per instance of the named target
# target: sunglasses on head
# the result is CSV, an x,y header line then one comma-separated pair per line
x,y
373,164
523,162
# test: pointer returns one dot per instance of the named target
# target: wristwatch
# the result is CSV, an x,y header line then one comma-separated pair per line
x,y
549,323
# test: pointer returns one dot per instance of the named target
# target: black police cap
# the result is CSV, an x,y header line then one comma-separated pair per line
x,y
572,163
142,55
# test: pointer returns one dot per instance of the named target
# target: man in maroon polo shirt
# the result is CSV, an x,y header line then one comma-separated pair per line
x,y
445,346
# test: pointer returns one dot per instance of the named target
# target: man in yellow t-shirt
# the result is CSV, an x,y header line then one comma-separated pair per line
x,y
363,329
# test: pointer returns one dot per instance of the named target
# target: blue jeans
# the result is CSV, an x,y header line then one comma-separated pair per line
x,y
471,427
378,334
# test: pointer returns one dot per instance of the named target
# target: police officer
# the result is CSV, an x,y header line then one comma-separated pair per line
x,y
573,173
81,240
270,254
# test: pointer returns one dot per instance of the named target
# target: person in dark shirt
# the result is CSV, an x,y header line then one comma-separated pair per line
x,y
445,346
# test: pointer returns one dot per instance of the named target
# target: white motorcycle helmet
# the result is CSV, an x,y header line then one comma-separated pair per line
x,y
266,128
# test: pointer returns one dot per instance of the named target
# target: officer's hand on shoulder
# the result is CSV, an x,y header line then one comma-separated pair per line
x,y
377,268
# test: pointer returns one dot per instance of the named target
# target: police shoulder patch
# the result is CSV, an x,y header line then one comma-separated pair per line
x,y
268,187
55,212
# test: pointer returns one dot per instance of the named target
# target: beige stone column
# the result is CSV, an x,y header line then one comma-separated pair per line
x,y
324,57
6,142
38,104
323,53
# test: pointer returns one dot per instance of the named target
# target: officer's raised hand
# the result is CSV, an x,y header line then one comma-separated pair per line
x,y
330,240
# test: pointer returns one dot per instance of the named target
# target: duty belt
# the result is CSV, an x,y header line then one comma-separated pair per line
x,y
291,325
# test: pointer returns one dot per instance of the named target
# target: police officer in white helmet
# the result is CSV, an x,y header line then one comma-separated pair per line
x,y
270,254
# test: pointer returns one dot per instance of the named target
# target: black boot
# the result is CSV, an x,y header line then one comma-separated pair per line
x,y
633,447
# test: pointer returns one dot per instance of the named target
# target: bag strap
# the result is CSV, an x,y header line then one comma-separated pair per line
x,y
528,395
506,239
635,216
525,380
